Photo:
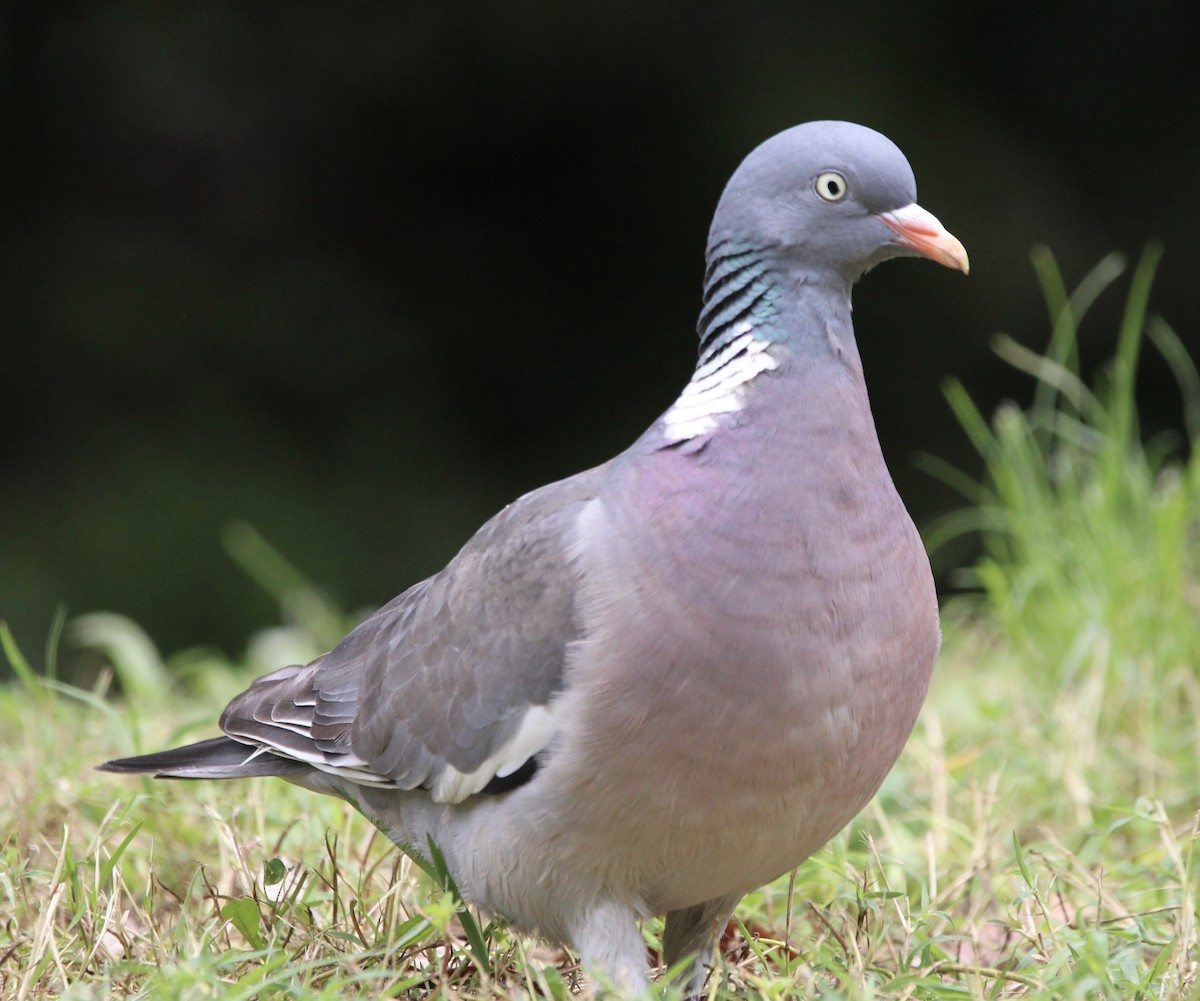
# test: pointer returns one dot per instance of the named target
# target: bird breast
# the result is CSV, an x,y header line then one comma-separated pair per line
x,y
786,630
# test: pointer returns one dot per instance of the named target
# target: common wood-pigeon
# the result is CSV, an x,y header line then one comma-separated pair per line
x,y
658,684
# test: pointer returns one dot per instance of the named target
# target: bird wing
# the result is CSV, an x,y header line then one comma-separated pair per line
x,y
450,687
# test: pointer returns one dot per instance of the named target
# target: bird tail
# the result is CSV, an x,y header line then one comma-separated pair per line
x,y
219,758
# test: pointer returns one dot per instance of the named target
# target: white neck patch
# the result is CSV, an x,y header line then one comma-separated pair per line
x,y
716,387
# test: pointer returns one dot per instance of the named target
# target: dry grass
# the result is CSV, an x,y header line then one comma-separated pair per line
x,y
975,874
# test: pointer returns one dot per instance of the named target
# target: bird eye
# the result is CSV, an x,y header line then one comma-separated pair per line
x,y
831,186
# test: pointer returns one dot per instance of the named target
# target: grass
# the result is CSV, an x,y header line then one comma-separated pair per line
x,y
1036,840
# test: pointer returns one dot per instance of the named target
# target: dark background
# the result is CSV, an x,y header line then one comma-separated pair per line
x,y
360,274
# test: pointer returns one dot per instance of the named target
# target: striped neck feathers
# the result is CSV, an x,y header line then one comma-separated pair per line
x,y
737,325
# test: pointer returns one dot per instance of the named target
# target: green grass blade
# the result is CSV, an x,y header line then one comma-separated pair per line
x,y
21,667
470,925
110,863
1182,367
53,638
969,417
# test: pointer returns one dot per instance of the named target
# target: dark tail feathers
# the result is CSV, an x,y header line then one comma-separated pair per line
x,y
219,758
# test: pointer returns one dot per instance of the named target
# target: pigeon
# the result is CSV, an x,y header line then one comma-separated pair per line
x,y
654,686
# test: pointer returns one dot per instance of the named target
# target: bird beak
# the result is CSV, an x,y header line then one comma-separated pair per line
x,y
920,231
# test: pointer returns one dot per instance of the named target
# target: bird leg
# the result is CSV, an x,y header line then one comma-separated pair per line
x,y
611,948
690,931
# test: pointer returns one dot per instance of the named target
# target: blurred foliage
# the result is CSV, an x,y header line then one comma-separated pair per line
x,y
1090,573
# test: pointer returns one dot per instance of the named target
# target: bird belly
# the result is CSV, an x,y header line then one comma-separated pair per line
x,y
724,733
720,777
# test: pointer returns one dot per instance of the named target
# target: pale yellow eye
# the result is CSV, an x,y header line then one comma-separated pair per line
x,y
831,186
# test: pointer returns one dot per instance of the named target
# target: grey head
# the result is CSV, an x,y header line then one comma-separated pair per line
x,y
802,218
831,198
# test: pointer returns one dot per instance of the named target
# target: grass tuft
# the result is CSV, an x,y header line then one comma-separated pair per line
x,y
1091,541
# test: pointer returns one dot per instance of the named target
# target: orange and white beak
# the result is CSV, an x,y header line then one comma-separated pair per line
x,y
920,231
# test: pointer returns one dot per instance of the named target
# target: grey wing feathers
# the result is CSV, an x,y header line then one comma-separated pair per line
x,y
219,758
450,685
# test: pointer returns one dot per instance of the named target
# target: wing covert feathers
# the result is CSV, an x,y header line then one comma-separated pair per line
x,y
451,685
